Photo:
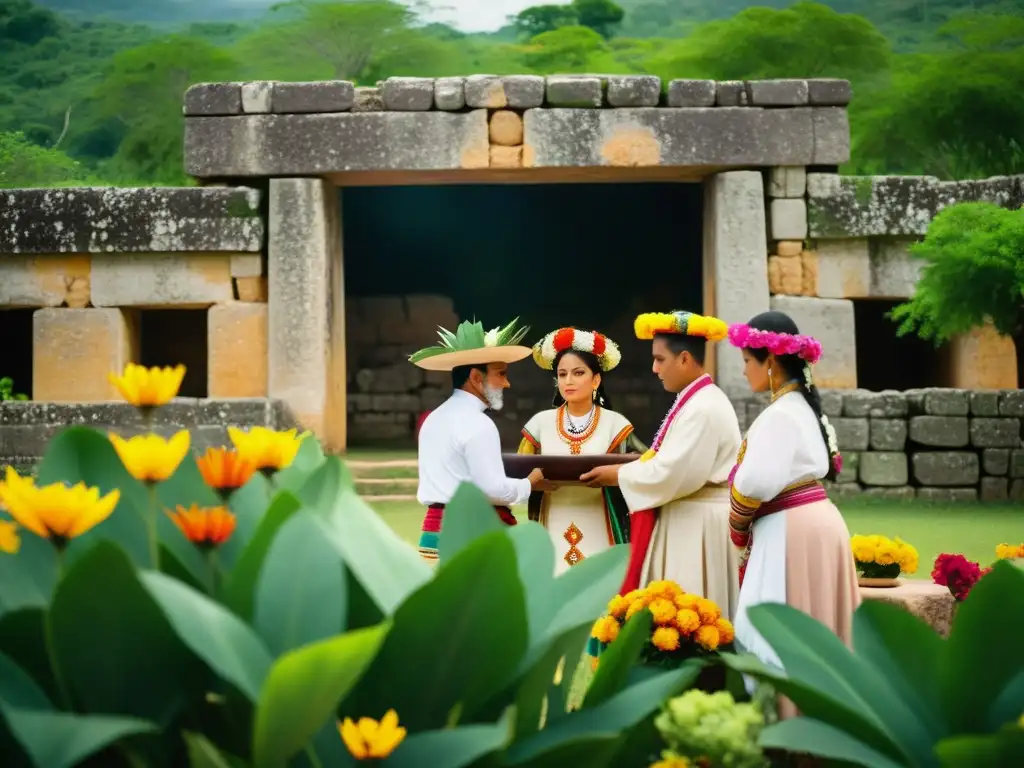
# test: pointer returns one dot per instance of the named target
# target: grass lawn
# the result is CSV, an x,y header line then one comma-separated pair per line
x,y
971,529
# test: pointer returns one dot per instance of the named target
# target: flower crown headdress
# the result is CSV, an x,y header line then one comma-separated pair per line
x,y
680,323
807,348
571,339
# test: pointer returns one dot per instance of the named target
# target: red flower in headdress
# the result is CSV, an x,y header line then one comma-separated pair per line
x,y
563,339
599,344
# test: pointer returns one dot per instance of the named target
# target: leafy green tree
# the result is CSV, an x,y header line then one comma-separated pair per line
x,y
973,275
567,49
22,21
538,19
602,16
24,164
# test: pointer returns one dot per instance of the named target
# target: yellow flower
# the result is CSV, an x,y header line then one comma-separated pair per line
x,y
9,541
368,739
634,608
886,553
150,458
906,556
665,639
1009,551
664,588
617,606
863,549
605,630
671,762
148,387
55,511
650,323
686,600
708,611
687,620
715,329
266,449
726,632
664,611
636,594
708,637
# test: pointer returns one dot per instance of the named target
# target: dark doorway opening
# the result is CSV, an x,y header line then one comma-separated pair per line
x,y
16,360
888,361
168,337
589,255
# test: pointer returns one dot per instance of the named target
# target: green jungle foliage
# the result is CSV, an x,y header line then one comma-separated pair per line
x,y
96,94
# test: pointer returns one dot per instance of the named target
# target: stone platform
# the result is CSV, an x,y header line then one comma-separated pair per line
x,y
929,602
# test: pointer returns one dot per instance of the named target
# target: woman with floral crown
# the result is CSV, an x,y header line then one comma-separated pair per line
x,y
581,521
796,546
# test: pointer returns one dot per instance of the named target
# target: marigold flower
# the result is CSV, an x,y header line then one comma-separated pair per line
x,y
224,470
9,540
672,762
605,630
708,611
726,631
634,608
688,621
707,637
266,449
906,556
1009,551
617,606
369,739
664,610
664,588
151,458
665,639
148,387
204,526
885,554
686,600
55,511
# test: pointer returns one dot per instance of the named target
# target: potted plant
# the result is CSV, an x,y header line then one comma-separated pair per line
x,y
880,560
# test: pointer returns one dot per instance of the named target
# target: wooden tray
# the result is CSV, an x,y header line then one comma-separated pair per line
x,y
561,469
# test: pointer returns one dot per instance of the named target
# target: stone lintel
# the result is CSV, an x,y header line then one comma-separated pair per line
x,y
864,206
112,219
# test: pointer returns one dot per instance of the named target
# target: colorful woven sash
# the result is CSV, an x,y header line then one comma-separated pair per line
x,y
430,532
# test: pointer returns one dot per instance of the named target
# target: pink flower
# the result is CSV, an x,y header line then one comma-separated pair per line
x,y
807,348
837,463
957,573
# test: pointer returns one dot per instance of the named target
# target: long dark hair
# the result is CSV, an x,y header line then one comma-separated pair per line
x,y
590,360
793,367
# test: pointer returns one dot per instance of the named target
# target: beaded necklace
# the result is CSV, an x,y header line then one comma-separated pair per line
x,y
576,437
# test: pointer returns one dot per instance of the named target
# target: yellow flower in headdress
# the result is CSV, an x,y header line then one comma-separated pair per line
x,y
650,324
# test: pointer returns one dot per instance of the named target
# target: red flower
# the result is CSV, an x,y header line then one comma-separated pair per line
x,y
957,573
563,339
599,344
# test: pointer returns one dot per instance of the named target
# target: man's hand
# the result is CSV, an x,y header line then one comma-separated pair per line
x,y
536,477
601,476
547,486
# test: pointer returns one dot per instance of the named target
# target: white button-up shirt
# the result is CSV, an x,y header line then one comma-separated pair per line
x,y
459,443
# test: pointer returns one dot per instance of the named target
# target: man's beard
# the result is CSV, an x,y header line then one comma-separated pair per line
x,y
495,397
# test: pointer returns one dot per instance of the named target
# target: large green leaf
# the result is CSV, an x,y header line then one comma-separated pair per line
x,y
991,750
581,594
106,632
307,460
185,487
19,690
81,454
23,639
61,740
618,659
454,642
304,688
203,754
812,737
249,504
980,661
452,748
301,590
28,577
468,516
813,655
535,557
387,567
536,683
240,588
1009,705
214,634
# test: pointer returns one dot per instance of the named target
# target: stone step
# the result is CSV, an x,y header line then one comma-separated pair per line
x,y
383,486
388,497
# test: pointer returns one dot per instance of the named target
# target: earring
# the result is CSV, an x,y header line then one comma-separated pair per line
x,y
593,395
771,384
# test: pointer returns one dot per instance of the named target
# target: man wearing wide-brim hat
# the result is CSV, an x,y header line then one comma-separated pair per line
x,y
458,443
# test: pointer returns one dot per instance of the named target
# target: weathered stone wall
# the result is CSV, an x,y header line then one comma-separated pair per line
x,y
935,444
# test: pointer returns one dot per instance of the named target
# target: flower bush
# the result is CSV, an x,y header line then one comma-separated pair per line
x,y
711,729
879,557
957,573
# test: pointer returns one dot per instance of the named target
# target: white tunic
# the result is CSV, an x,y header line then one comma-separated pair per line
x,y
783,446
686,479
458,443
575,515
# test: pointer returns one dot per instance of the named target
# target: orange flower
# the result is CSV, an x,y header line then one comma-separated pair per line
x,y
664,611
666,639
707,637
617,606
708,611
686,600
726,631
605,630
687,621
204,526
9,541
225,470
634,608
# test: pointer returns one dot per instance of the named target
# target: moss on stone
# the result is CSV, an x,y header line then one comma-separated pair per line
x,y
863,188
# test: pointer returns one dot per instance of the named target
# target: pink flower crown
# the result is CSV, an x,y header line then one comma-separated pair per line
x,y
806,348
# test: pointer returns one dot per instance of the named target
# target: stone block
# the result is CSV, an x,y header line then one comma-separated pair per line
x,y
844,269
851,434
51,221
982,359
831,322
575,92
1012,403
485,92
995,461
634,90
809,269
877,405
946,468
827,92
237,350
506,157
851,464
731,93
252,289
938,402
995,433
888,434
314,98
984,403
1017,490
365,99
894,273
449,93
994,489
257,97
668,137
524,91
831,403
787,181
735,274
831,136
1017,464
74,350
408,94
246,264
214,99
161,280
506,128
901,493
789,247
431,311
381,426
785,275
432,397
44,281
691,93
948,495
317,145
929,602
788,219
940,431
884,468
778,93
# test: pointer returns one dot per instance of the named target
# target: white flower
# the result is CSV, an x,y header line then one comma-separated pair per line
x,y
491,338
583,341
830,432
547,349
612,356
807,376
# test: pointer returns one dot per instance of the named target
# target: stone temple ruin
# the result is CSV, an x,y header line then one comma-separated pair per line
x,y
243,278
